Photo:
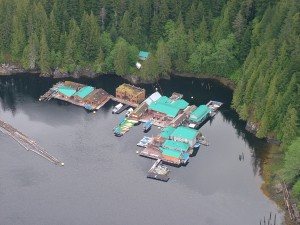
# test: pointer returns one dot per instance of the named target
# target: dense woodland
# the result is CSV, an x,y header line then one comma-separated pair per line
x,y
255,43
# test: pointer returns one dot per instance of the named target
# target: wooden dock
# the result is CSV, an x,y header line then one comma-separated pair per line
x,y
120,100
158,171
27,143
93,101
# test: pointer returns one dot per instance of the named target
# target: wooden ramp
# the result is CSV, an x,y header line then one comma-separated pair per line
x,y
123,101
27,143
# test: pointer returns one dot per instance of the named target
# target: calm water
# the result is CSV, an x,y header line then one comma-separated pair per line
x,y
104,181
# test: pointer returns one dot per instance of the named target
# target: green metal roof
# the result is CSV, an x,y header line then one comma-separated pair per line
x,y
167,106
199,113
166,132
143,54
164,108
85,91
176,145
164,100
185,133
171,152
180,104
67,91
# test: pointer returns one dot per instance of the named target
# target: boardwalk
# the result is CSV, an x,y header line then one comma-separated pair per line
x,y
27,143
125,102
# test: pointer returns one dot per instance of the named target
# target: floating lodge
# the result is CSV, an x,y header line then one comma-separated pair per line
x,y
179,121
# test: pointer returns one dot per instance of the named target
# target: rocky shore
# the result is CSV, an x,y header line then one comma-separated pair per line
x,y
8,69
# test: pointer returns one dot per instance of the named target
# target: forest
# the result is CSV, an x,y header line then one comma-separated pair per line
x,y
254,43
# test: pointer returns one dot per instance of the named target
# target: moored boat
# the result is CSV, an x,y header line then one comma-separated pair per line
x,y
147,126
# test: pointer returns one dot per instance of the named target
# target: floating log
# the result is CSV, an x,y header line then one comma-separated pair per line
x,y
27,143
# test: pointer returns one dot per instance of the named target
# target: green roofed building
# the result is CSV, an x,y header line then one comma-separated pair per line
x,y
166,106
67,91
200,113
85,91
166,132
180,104
176,145
171,153
143,55
185,134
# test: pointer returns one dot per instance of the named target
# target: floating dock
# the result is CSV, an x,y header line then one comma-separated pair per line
x,y
125,102
144,142
158,171
27,143
78,94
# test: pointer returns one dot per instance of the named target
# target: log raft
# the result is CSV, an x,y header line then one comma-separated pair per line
x,y
27,143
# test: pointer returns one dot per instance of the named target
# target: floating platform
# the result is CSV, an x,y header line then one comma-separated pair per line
x,y
77,94
145,142
158,171
151,152
124,102
27,143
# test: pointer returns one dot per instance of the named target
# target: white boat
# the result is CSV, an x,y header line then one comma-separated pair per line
x,y
117,107
129,111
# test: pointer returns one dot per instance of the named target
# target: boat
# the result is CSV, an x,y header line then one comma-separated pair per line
x,y
214,106
144,142
117,108
118,132
129,111
147,126
197,144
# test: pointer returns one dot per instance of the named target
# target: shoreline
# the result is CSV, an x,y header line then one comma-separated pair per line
x,y
270,173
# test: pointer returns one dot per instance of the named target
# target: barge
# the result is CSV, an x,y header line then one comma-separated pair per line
x,y
159,171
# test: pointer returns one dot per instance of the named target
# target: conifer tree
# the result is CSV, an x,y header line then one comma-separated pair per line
x,y
44,55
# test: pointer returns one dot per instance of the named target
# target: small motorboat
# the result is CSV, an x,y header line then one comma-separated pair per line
x,y
147,126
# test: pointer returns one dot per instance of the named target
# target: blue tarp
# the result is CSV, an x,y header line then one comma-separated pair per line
x,y
185,156
148,123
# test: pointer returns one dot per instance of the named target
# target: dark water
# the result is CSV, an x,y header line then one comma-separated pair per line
x,y
104,181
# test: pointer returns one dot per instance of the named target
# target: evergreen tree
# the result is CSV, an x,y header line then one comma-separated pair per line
x,y
163,58
44,55
290,127
121,59
18,39
292,165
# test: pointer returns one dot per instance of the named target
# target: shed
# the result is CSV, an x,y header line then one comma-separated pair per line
x,y
143,55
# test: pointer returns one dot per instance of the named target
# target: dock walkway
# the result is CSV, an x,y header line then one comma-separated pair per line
x,y
51,93
124,102
27,143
